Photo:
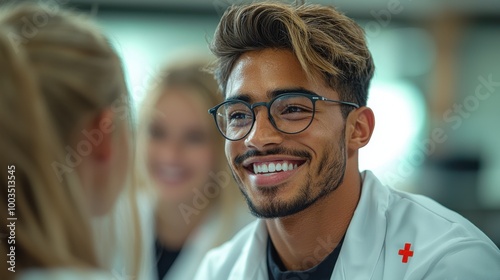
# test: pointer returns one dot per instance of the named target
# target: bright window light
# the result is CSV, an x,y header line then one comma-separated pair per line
x,y
400,117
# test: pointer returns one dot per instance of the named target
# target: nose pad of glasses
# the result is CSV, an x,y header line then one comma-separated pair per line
x,y
269,116
262,131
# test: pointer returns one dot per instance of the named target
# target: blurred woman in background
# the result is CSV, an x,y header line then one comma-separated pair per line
x,y
198,205
65,144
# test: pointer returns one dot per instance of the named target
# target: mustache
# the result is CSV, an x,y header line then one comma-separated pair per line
x,y
238,160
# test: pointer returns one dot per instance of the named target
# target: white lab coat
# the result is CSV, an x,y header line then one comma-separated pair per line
x,y
66,274
189,259
119,258
445,245
201,241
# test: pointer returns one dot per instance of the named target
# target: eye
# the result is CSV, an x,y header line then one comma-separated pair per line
x,y
239,119
156,132
292,106
239,116
295,109
196,137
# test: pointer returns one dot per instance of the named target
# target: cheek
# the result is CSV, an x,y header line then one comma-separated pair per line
x,y
125,150
153,156
320,136
122,166
201,160
325,130
153,151
230,151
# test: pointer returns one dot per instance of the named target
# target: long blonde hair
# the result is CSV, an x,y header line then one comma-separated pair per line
x,y
57,69
192,74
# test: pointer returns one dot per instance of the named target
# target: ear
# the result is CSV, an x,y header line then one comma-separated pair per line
x,y
99,132
362,123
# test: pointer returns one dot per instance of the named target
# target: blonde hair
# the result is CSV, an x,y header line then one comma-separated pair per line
x,y
192,74
326,43
57,69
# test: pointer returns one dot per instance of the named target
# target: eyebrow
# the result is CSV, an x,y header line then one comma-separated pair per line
x,y
240,97
271,94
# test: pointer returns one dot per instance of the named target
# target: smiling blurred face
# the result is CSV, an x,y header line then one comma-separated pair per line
x,y
305,166
181,148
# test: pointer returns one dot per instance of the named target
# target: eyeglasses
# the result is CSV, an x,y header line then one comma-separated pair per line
x,y
290,113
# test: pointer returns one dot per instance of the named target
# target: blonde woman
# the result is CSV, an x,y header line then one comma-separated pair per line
x,y
198,205
65,144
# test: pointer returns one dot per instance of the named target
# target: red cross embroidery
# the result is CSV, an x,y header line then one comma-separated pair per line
x,y
406,252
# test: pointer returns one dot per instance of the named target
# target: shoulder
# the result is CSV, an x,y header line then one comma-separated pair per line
x,y
444,243
412,215
465,259
427,217
128,233
65,274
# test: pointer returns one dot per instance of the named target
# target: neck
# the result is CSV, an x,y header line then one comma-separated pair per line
x,y
304,239
172,229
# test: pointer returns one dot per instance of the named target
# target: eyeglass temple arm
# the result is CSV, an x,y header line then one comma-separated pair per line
x,y
336,101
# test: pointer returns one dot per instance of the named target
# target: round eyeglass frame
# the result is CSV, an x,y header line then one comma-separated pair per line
x,y
312,97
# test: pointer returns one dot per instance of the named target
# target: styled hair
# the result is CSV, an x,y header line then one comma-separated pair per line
x,y
192,74
327,44
57,70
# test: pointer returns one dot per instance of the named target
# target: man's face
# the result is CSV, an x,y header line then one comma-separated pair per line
x,y
315,158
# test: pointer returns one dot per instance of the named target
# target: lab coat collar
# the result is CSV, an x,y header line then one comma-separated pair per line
x,y
364,241
252,263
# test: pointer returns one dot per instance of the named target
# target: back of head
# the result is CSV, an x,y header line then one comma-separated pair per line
x,y
328,45
57,70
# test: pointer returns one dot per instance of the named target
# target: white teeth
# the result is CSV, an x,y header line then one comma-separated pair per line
x,y
264,168
285,167
273,167
171,172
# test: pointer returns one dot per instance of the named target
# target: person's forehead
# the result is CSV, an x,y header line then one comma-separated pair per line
x,y
177,106
257,74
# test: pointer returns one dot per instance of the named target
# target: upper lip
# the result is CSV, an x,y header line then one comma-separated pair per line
x,y
249,161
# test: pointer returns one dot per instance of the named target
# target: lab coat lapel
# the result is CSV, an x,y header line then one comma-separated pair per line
x,y
252,263
364,241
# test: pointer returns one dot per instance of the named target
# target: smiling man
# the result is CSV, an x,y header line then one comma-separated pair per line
x,y
295,80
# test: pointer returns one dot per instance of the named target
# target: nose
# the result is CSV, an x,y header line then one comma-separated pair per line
x,y
263,134
169,151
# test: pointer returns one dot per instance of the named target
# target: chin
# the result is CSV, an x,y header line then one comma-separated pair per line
x,y
277,202
174,197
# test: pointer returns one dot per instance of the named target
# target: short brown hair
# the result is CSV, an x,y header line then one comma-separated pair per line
x,y
324,41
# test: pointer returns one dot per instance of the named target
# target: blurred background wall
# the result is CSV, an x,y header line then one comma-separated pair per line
x,y
436,92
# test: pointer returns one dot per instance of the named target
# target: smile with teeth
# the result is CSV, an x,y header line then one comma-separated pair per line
x,y
171,173
273,167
